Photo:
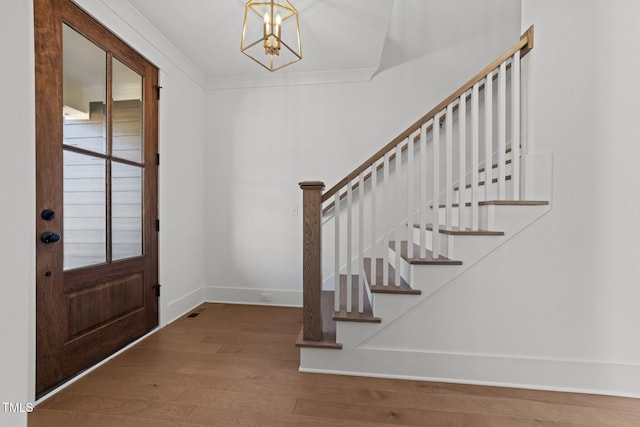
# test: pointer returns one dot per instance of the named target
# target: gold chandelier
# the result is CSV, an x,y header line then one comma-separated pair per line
x,y
274,27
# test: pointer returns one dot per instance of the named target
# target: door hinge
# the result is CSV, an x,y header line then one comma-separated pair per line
x,y
157,159
157,225
158,91
157,288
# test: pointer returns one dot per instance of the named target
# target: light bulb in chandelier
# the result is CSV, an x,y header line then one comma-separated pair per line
x,y
272,35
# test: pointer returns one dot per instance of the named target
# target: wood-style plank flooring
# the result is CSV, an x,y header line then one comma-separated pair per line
x,y
236,365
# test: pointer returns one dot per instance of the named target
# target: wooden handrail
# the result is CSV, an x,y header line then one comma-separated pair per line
x,y
524,46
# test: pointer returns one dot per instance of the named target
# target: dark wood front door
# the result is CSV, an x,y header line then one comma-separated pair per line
x,y
96,146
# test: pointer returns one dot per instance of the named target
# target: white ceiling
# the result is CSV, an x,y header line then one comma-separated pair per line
x,y
341,39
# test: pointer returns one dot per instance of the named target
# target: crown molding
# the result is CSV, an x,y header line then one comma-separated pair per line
x,y
290,79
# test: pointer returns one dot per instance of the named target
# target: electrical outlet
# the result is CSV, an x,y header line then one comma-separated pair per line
x,y
265,297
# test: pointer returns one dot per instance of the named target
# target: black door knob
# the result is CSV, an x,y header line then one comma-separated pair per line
x,y
49,237
48,215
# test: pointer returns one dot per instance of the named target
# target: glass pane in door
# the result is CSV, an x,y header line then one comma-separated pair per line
x,y
126,210
84,127
85,216
127,113
84,92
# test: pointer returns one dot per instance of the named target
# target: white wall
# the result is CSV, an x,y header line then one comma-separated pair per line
x,y
586,114
263,141
181,183
556,307
182,207
17,212
616,191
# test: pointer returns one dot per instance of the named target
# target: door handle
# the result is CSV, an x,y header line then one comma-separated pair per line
x,y
49,237
48,215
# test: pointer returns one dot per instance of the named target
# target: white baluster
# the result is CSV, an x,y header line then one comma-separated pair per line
x,y
386,200
474,156
502,129
435,231
488,135
398,213
448,173
423,191
515,125
336,218
410,179
349,243
374,209
361,242
462,128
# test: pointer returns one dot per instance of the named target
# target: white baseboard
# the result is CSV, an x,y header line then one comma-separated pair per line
x,y
252,296
229,295
566,375
178,307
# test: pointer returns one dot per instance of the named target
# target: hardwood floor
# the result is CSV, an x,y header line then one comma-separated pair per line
x,y
236,365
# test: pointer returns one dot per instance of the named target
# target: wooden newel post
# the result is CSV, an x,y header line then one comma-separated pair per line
x,y
312,259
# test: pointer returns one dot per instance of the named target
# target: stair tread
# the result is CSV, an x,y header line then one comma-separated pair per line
x,y
501,203
456,231
391,288
354,315
428,260
515,202
328,327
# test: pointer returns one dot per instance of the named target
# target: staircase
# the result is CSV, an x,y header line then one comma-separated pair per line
x,y
435,201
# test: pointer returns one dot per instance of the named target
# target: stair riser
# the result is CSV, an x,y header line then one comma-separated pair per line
x,y
353,333
405,267
390,306
444,241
